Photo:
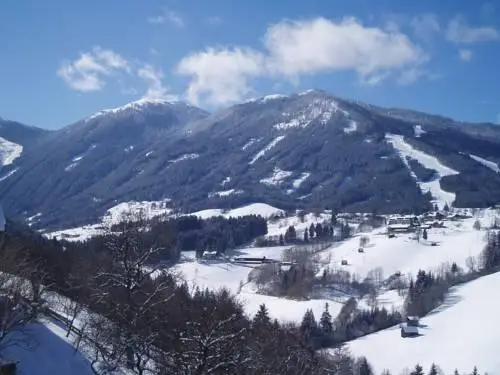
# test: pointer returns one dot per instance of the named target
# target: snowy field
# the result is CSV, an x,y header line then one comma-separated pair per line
x,y
462,333
234,277
455,243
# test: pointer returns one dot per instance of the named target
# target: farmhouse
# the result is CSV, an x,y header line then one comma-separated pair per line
x,y
402,223
410,327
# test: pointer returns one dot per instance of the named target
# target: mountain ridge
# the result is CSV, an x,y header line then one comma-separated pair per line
x,y
253,151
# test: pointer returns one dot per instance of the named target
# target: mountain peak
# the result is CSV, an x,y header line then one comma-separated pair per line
x,y
138,105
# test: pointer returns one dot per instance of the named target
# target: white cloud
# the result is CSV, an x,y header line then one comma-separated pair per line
x,y
460,32
154,77
221,74
88,72
168,16
425,26
465,54
321,45
296,48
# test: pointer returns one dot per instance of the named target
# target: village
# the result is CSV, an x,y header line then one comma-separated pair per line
x,y
372,264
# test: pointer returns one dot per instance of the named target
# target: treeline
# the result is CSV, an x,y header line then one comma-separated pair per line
x,y
350,324
185,233
332,229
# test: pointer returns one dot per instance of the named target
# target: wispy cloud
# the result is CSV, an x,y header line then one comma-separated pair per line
x,y
297,48
89,71
460,32
154,79
465,54
425,26
168,16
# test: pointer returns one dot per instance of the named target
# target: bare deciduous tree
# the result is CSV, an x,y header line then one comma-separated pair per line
x,y
138,296
20,299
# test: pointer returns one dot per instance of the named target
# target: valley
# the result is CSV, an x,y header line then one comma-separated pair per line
x,y
278,208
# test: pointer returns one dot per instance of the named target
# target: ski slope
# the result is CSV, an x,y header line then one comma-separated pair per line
x,y
462,333
405,149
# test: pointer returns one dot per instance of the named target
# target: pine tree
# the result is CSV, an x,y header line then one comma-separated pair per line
x,y
311,231
319,230
446,208
424,234
325,322
282,240
433,370
474,371
456,372
262,319
363,367
418,370
309,324
306,236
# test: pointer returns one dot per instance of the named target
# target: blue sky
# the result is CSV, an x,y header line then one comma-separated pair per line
x,y
63,60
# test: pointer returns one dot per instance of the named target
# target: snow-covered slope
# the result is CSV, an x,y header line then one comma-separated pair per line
x,y
489,164
234,277
52,354
405,149
9,151
261,209
149,209
123,211
455,243
461,334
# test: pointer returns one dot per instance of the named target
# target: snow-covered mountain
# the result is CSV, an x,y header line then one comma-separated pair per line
x,y
309,149
14,137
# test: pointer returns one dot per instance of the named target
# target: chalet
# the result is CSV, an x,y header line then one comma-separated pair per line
x,y
410,327
402,223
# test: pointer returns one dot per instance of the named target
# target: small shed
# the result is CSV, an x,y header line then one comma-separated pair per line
x,y
410,327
